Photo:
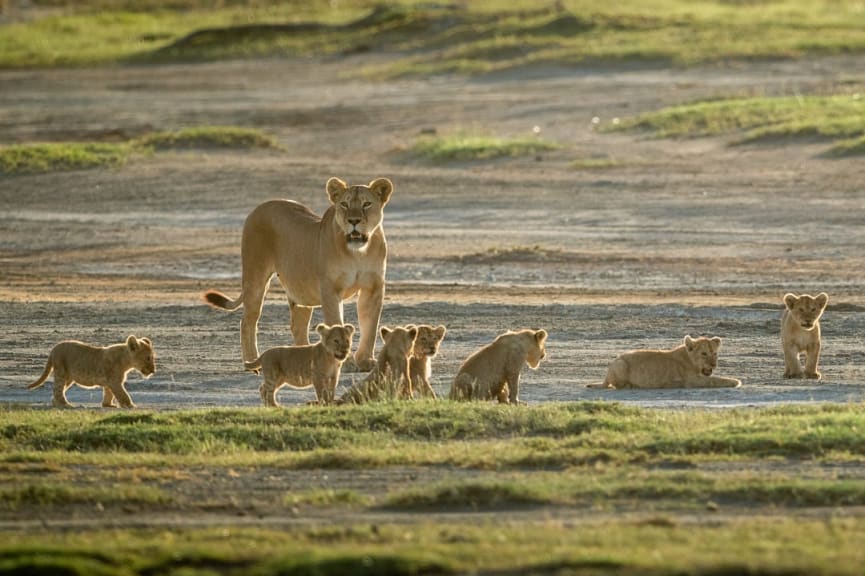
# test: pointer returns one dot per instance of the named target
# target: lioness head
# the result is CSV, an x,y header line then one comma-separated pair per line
x,y
336,339
143,358
399,341
358,210
537,351
703,353
428,339
805,309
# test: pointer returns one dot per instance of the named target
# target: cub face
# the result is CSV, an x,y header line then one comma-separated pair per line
x,y
359,210
428,339
703,353
143,358
399,341
537,350
336,339
805,309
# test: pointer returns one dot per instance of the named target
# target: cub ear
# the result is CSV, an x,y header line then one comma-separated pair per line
x,y
412,331
716,341
540,336
822,299
349,328
322,328
385,333
689,342
381,187
440,331
132,342
147,341
790,300
335,188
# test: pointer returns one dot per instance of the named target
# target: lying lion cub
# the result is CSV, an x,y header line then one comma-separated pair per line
x,y
89,366
391,377
493,372
689,365
317,365
800,332
426,346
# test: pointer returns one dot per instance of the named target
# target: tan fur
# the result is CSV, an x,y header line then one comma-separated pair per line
x,y
689,365
493,372
426,346
89,366
800,332
321,261
391,377
317,365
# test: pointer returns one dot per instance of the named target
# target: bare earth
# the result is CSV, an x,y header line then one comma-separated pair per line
x,y
692,236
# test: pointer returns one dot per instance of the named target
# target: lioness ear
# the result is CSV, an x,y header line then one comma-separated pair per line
x,y
321,328
689,342
132,342
440,331
335,187
790,300
540,336
381,187
822,299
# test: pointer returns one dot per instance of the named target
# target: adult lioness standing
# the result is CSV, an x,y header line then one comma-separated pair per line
x,y
321,261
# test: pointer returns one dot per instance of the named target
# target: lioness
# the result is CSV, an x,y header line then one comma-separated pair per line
x,y
317,365
689,365
426,346
391,377
493,372
89,366
320,261
800,332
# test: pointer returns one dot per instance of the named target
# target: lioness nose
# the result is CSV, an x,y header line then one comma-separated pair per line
x,y
354,221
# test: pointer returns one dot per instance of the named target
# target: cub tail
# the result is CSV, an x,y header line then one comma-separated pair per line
x,y
220,300
599,385
49,366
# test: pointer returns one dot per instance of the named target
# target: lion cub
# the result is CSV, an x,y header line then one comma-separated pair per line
x,y
89,366
493,372
317,365
800,332
689,365
391,377
426,346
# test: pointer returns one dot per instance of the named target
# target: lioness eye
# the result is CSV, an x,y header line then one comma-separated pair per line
x,y
366,205
344,204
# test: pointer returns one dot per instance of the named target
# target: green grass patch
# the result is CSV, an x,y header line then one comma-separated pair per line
x,y
463,147
47,494
596,164
430,38
59,156
326,497
836,117
851,147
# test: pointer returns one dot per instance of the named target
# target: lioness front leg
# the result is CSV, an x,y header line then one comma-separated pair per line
x,y
812,356
369,303
513,386
299,318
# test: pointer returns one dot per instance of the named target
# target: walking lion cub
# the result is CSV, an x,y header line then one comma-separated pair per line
x,y
391,377
493,372
75,362
800,332
689,365
317,365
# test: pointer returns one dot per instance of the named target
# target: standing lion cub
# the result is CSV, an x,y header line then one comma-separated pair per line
x,y
390,378
89,366
426,346
689,365
317,365
800,332
493,372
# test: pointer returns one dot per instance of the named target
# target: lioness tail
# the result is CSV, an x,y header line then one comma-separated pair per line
x,y
49,366
220,300
253,365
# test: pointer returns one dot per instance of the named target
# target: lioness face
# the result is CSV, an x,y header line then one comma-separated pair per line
x,y
359,210
538,350
337,339
143,357
703,353
427,342
805,309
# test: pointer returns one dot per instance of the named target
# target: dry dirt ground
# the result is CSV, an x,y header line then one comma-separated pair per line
x,y
690,236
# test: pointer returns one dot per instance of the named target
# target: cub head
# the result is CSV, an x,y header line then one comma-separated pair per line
x,y
537,349
806,310
336,339
426,345
358,210
143,358
703,353
399,341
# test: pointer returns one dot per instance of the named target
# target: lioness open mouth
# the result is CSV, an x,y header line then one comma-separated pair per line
x,y
356,238
707,371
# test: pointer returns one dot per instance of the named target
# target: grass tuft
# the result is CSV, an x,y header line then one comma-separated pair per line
x,y
204,137
469,147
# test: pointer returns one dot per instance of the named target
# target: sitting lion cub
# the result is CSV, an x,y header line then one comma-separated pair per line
x,y
89,366
800,332
689,365
390,378
317,365
426,346
493,372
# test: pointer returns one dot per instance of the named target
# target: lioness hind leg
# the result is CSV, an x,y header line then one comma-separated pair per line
x,y
60,386
253,301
